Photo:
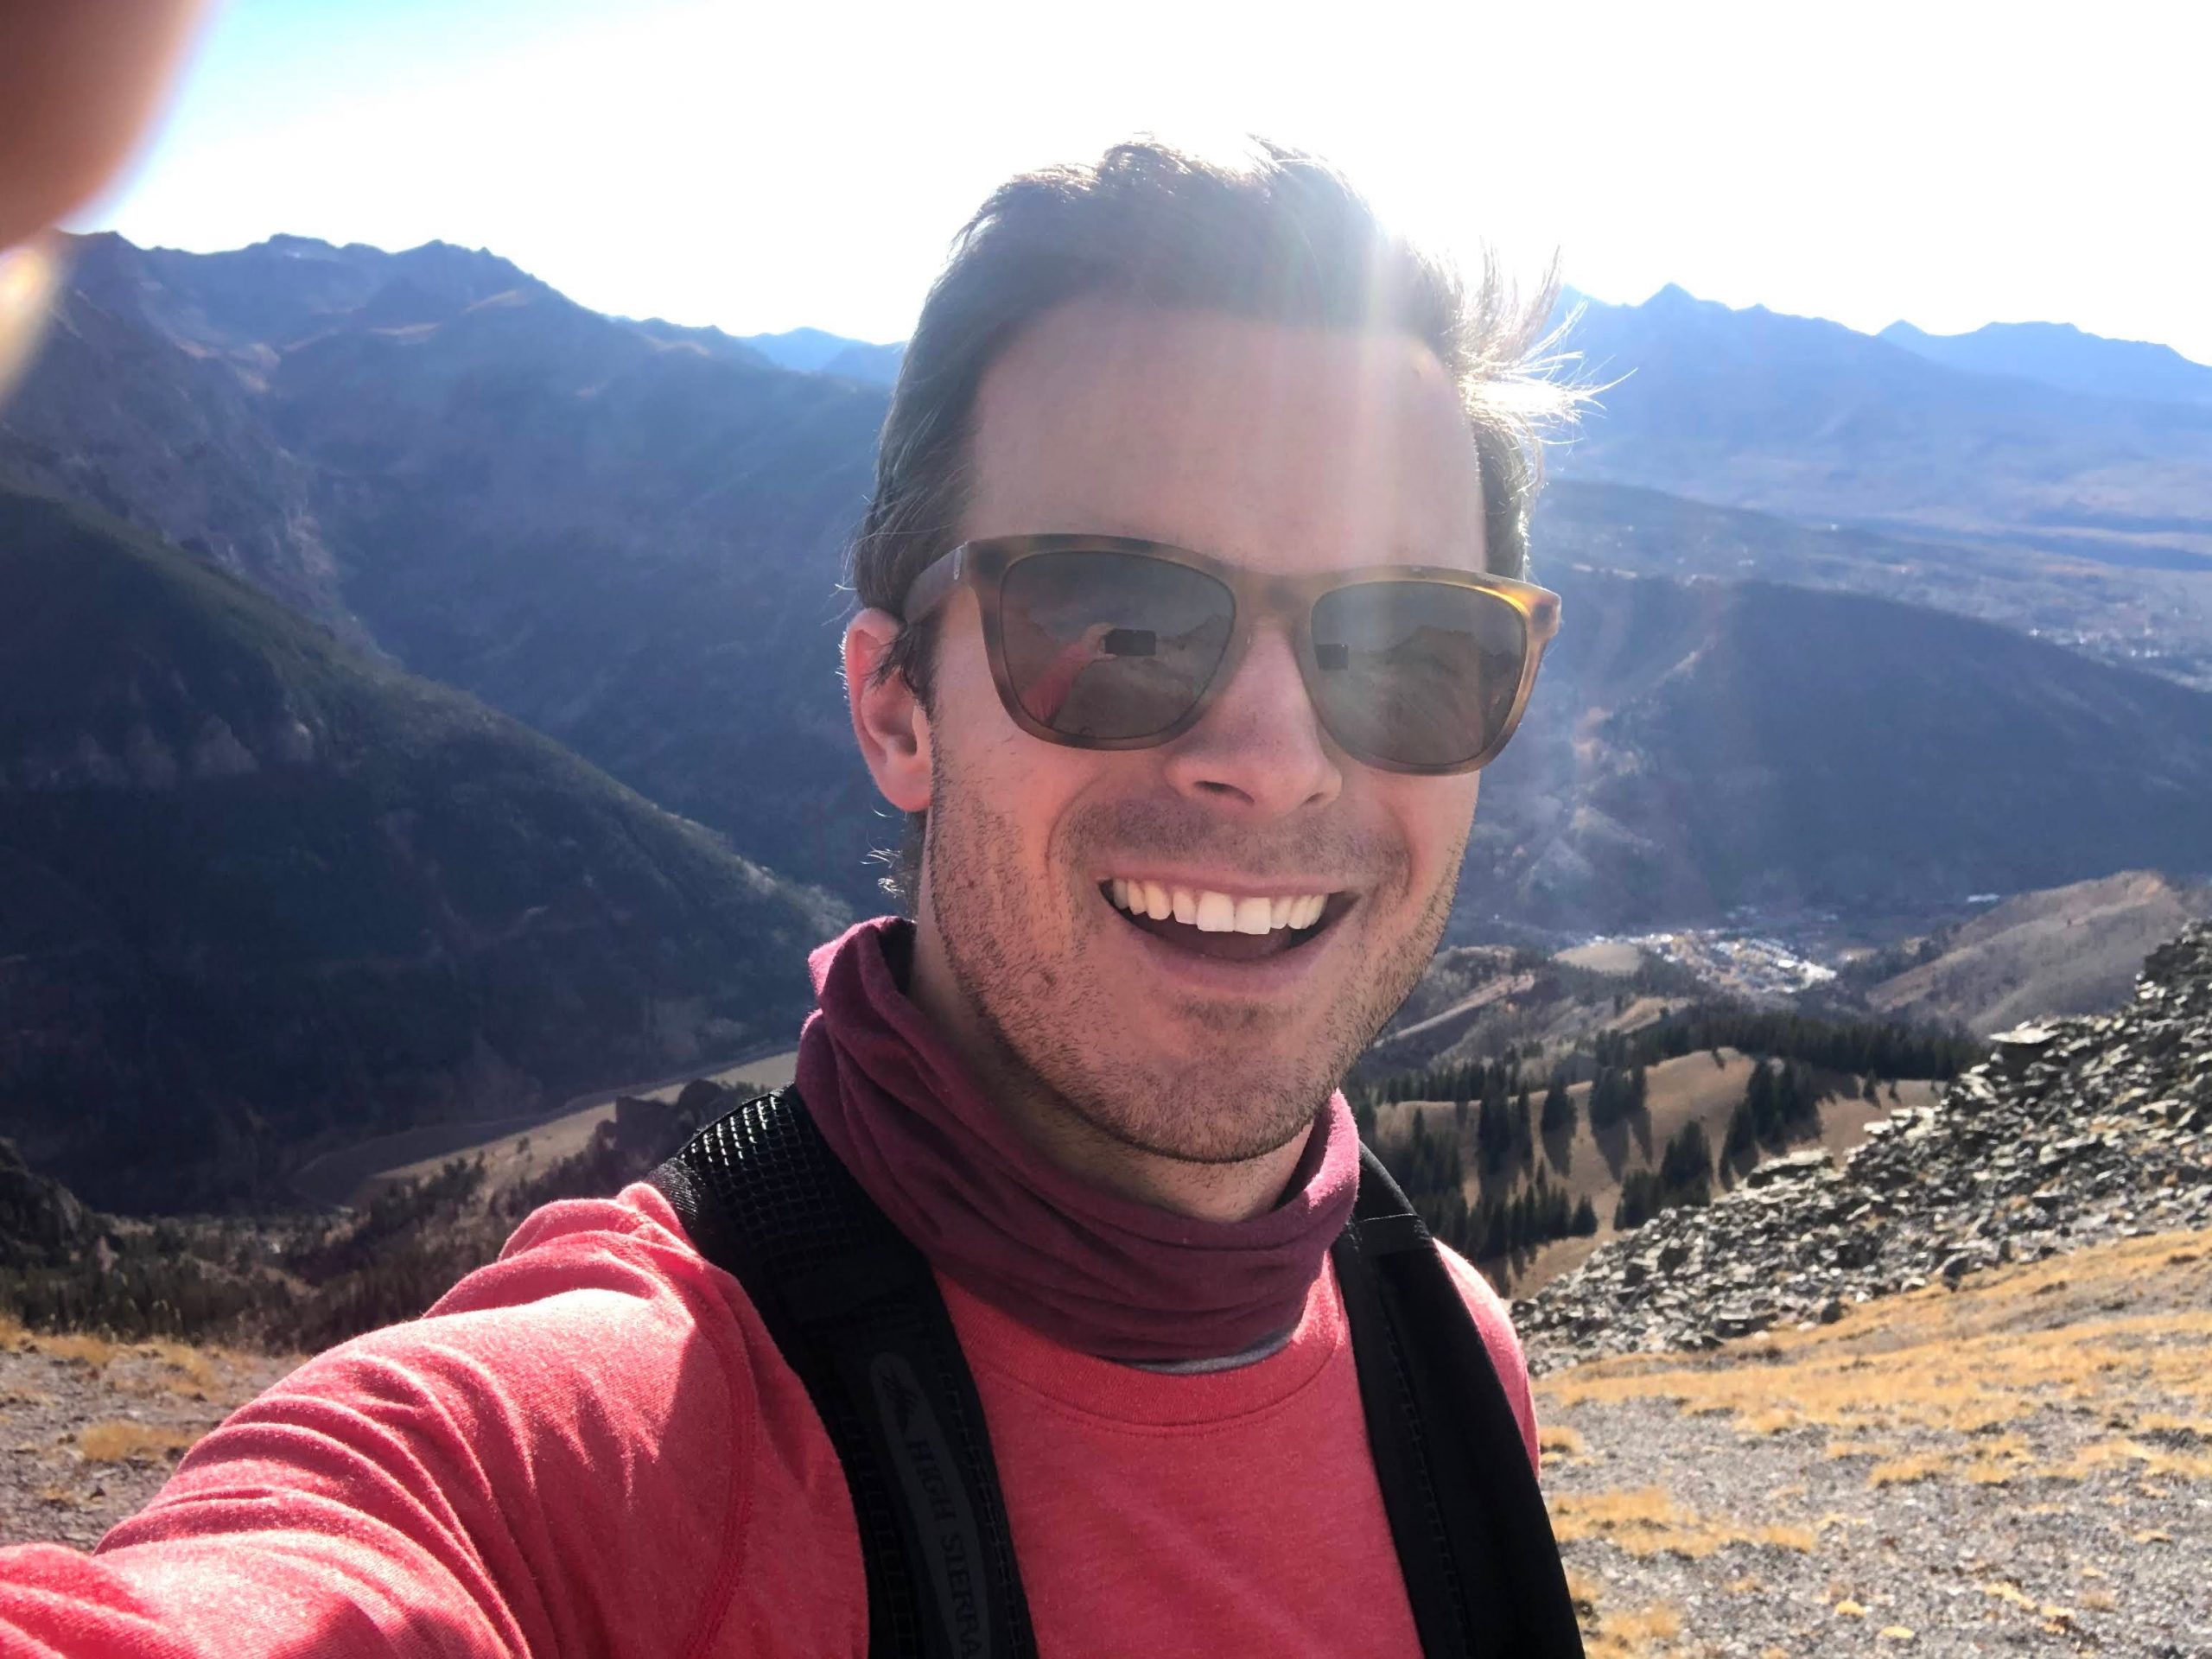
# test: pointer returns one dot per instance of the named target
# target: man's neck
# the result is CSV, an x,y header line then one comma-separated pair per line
x,y
1227,1193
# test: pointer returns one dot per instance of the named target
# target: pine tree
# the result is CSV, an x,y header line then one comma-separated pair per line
x,y
1559,1107
1743,1134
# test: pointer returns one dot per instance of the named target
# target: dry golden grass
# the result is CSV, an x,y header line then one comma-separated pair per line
x,y
190,1373
1904,1471
2152,1461
1766,1422
123,1441
89,1350
1557,1440
1839,1450
1646,1521
1643,1634
180,1369
2124,1330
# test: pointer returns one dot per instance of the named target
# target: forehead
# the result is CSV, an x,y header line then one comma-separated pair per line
x,y
1282,449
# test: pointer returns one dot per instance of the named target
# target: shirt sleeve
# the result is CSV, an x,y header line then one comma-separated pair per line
x,y
1506,1357
453,1485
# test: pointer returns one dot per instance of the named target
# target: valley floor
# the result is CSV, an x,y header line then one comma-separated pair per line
x,y
2023,1464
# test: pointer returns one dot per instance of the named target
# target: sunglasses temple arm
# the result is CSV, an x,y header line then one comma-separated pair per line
x,y
929,589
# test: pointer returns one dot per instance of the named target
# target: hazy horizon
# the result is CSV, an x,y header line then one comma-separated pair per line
x,y
765,173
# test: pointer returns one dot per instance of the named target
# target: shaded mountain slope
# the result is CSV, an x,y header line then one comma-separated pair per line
x,y
259,893
1698,746
627,535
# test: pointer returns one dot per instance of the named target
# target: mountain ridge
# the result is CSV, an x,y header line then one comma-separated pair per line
x,y
623,534
2060,354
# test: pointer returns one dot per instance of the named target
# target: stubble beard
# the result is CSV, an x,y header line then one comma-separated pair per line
x,y
1262,1080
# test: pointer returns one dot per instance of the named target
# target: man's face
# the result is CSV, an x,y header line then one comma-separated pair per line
x,y
1285,451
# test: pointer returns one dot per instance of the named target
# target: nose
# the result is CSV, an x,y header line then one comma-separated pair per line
x,y
1259,752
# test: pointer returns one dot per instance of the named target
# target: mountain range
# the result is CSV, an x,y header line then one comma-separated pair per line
x,y
2059,354
1817,422
1847,628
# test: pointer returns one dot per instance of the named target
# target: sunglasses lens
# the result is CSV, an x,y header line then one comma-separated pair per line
x,y
1104,647
1418,674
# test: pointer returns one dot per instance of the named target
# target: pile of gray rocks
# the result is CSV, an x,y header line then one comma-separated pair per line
x,y
2074,1132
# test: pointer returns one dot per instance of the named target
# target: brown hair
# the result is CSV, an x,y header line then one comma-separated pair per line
x,y
1279,236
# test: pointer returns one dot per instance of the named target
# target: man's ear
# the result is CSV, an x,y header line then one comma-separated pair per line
x,y
888,719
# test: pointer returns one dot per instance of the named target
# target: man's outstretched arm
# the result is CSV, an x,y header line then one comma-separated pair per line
x,y
553,1462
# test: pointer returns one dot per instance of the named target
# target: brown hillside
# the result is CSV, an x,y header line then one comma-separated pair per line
x,y
2071,949
1691,1089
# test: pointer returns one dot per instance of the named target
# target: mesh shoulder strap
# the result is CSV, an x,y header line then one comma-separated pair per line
x,y
852,1306
1474,1541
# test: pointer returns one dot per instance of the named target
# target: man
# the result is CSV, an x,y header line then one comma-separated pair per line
x,y
1189,615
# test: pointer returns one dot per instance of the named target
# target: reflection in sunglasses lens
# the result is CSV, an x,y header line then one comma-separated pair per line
x,y
1418,673
1105,645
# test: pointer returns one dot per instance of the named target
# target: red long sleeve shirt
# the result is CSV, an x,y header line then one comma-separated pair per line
x,y
593,1447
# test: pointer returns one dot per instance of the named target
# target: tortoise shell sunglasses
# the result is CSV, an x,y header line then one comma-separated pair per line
x,y
1105,642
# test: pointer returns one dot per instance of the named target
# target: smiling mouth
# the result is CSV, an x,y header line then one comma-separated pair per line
x,y
1221,926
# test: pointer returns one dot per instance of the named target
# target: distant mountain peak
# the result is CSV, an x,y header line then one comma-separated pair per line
x,y
285,242
816,351
2065,355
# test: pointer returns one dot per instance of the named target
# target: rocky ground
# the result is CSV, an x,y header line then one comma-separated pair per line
x,y
1953,1397
2023,1464
90,1428
2075,1132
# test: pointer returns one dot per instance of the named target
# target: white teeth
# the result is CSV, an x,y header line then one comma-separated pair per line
x,y
1215,912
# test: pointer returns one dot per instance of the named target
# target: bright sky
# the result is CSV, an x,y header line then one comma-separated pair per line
x,y
759,166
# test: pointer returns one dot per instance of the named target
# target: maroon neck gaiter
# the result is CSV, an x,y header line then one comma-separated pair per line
x,y
1101,1274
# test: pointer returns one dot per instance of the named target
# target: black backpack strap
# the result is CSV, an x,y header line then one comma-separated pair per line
x,y
852,1306
1474,1540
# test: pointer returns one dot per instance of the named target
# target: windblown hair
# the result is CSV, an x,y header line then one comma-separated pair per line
x,y
1278,236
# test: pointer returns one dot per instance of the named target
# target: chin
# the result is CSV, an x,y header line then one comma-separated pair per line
x,y
1224,1109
